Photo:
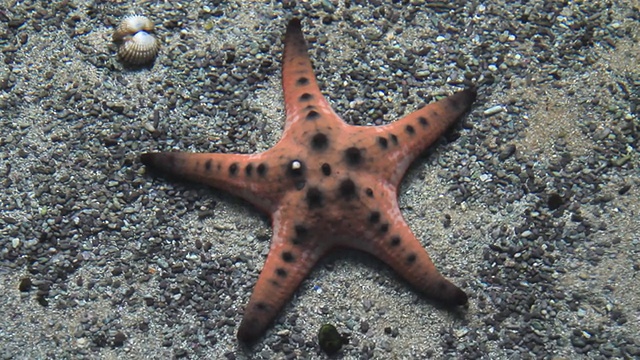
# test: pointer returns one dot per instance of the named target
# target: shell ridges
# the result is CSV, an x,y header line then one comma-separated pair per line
x,y
139,49
137,44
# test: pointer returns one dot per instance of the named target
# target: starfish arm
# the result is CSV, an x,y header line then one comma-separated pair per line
x,y
389,238
246,176
404,253
293,254
403,140
302,97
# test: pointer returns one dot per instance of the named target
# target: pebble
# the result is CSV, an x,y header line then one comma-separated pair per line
x,y
493,110
364,327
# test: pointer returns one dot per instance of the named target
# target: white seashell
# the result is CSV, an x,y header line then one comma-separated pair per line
x,y
137,44
131,25
138,49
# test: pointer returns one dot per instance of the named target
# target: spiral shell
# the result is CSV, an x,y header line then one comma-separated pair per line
x,y
137,45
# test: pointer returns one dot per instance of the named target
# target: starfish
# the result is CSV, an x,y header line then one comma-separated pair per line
x,y
326,184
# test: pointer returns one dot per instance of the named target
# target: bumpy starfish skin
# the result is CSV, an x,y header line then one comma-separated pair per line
x,y
326,184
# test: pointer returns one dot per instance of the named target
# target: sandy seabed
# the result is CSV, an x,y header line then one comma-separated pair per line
x,y
531,204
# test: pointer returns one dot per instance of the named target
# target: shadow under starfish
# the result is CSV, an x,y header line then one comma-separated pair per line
x,y
326,184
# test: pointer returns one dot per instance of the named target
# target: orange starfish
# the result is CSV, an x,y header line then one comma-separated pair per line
x,y
326,184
